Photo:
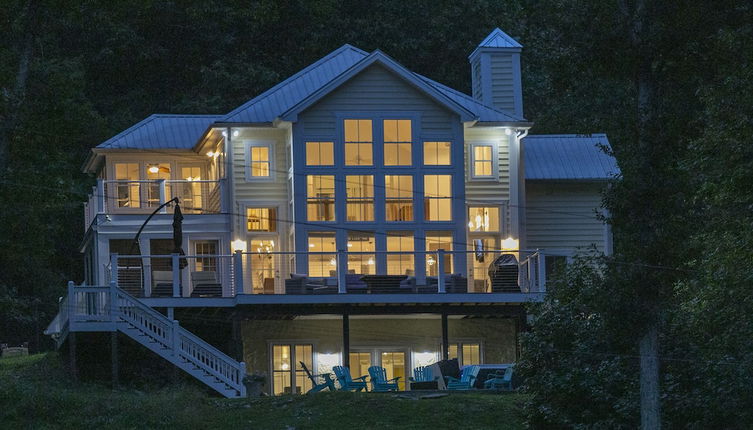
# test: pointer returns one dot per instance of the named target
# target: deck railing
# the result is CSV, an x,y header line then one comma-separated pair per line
x,y
263,271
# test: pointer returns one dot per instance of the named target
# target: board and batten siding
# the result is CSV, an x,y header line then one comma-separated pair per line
x,y
563,216
483,190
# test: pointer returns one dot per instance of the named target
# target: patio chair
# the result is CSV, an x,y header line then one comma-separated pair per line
x,y
318,386
379,381
466,381
499,381
423,379
348,383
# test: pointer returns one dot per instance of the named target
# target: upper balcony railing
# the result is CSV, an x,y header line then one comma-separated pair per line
x,y
143,196
264,272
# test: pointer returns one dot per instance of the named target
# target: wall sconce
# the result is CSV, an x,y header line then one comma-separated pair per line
x,y
239,245
510,244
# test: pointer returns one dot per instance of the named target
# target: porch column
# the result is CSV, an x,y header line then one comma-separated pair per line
x,y
445,338
346,340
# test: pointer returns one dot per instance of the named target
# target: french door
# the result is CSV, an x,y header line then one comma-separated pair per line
x,y
394,361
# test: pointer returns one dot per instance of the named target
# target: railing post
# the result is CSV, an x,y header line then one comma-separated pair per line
x,y
541,278
176,337
113,302
241,378
176,275
71,305
162,195
342,270
224,199
101,197
238,273
441,287
114,268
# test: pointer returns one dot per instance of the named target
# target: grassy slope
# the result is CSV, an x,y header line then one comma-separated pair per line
x,y
36,393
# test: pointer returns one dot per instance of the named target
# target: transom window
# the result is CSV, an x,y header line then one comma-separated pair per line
x,y
438,198
402,263
482,161
483,218
261,219
320,154
398,197
360,197
258,160
320,197
358,142
322,254
361,263
397,142
437,153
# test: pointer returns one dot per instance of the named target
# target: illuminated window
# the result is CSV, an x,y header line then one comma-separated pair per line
x,y
322,254
483,219
126,192
320,154
436,240
154,173
397,142
360,259
467,353
438,198
437,153
482,161
261,219
398,197
320,197
286,367
402,263
258,160
358,142
206,247
360,197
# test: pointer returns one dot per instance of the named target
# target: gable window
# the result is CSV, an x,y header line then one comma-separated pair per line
x,y
438,198
259,159
397,142
261,219
483,218
320,154
360,195
320,197
437,153
482,161
398,197
358,142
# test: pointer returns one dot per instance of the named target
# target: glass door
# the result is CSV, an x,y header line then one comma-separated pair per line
x,y
263,267
359,364
485,250
190,193
393,360
394,363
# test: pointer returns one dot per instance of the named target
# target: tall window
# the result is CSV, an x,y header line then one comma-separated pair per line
x,y
483,218
438,198
402,263
156,172
286,367
320,197
467,353
320,154
126,193
360,194
322,254
259,160
357,262
358,142
261,219
436,240
398,197
437,153
397,142
482,161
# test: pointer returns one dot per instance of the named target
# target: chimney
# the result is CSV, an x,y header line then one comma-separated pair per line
x,y
495,73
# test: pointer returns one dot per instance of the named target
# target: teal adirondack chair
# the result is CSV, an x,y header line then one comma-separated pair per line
x,y
347,383
319,386
379,381
500,381
423,374
466,381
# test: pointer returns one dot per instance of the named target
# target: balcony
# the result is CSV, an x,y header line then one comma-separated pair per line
x,y
143,197
272,274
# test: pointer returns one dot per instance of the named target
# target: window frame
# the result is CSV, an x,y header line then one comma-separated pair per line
x,y
270,145
472,161
401,199
429,198
322,200
361,202
319,147
436,141
291,344
397,143
358,143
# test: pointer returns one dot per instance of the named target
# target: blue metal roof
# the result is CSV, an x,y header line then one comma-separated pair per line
x,y
499,39
568,157
162,131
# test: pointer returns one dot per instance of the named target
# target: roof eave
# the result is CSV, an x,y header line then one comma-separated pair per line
x,y
516,124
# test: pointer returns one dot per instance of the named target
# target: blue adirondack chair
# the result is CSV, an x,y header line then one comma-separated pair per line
x,y
500,381
319,386
466,381
347,383
423,374
379,381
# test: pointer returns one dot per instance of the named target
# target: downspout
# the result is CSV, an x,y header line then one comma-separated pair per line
x,y
521,194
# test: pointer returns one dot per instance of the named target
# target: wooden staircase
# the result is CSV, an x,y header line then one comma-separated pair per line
x,y
94,309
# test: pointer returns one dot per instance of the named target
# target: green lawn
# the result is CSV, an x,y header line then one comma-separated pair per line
x,y
36,393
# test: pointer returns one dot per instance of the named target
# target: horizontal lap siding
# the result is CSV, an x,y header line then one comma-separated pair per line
x,y
563,216
502,82
488,190
260,190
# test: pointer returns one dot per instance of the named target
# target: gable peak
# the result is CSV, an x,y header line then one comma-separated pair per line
x,y
499,39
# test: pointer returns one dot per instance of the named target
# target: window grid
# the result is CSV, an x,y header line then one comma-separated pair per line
x,y
363,264
358,142
438,197
437,153
320,197
404,263
320,154
261,219
398,197
360,197
483,162
260,162
397,142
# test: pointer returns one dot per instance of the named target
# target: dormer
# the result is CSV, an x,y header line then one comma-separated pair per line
x,y
495,73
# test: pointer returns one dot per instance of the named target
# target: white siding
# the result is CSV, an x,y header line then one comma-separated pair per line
x,y
488,190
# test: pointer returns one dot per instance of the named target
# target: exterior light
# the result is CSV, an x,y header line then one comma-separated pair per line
x,y
224,133
510,244
239,245
153,168
508,131
235,133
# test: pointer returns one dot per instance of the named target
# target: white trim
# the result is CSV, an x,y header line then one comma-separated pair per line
x,y
270,145
293,361
494,161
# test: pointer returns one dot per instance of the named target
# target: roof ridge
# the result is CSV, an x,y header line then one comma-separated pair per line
x,y
497,33
296,76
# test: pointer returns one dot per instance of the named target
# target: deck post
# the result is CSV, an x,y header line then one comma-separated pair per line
x,y
342,270
176,337
346,340
238,272
101,198
445,338
114,358
71,307
114,268
162,196
541,277
113,302
176,275
441,287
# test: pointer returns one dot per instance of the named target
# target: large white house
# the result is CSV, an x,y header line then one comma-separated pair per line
x,y
357,213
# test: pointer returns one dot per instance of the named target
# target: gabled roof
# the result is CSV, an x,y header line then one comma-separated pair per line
x,y
568,157
267,106
162,131
499,39
378,57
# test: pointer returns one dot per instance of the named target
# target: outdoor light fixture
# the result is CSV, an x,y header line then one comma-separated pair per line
x,y
236,133
508,131
510,244
224,133
239,245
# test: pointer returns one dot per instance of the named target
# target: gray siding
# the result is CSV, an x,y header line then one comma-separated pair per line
x,y
503,91
488,190
562,216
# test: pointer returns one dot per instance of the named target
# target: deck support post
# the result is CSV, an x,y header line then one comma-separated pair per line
x,y
441,287
176,275
72,356
346,340
114,358
445,338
